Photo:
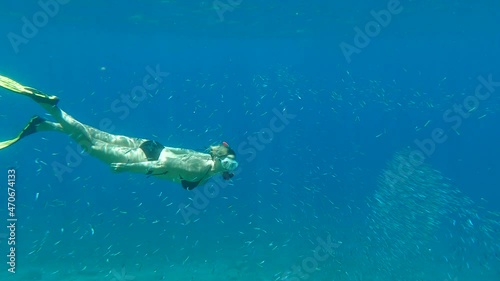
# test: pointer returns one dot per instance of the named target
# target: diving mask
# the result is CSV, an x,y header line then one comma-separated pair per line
x,y
229,164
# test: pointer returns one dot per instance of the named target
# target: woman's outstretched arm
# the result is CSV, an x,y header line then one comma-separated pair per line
x,y
148,167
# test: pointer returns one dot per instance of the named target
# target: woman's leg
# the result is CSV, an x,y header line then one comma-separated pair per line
x,y
85,134
80,132
105,146
108,152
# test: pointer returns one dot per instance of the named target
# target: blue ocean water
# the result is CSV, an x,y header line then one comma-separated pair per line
x,y
321,101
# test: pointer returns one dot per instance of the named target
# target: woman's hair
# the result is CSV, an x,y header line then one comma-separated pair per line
x,y
221,151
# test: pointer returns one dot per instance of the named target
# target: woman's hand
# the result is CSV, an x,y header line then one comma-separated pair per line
x,y
147,167
117,167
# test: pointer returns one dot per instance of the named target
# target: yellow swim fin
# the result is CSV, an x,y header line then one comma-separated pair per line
x,y
29,129
36,95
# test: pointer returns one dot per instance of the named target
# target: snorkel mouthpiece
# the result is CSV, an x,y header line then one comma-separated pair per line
x,y
227,175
